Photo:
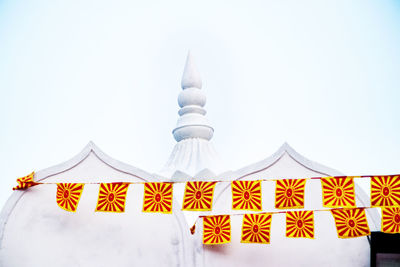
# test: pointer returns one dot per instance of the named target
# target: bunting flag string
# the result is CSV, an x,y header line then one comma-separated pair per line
x,y
30,181
338,197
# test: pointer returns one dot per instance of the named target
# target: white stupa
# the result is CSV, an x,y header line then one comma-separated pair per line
x,y
34,231
194,154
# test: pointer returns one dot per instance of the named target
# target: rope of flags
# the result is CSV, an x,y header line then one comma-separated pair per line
x,y
338,194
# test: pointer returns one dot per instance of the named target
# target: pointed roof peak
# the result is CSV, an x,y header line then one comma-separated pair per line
x,y
191,76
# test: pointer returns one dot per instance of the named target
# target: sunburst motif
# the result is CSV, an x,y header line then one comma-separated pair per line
x,y
112,197
256,228
216,229
157,197
198,196
338,192
391,220
68,195
385,191
300,224
289,193
350,222
246,195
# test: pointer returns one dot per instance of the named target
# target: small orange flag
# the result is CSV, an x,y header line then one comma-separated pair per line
x,y
391,220
112,197
338,192
157,197
25,182
246,195
198,196
289,193
350,222
385,191
300,224
216,230
256,228
68,195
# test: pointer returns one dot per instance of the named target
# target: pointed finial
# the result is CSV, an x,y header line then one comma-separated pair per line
x,y
192,123
191,76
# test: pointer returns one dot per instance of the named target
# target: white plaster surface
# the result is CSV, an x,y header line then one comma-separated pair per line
x,y
34,231
39,233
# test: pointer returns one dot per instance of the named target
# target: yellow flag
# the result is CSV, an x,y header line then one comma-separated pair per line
x,y
350,222
157,197
112,197
68,195
391,220
256,228
289,193
216,230
300,224
198,196
246,195
338,192
25,182
385,191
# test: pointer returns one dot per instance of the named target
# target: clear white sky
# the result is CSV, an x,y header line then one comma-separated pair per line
x,y
321,75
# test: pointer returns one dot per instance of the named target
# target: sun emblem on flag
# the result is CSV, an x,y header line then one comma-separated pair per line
x,y
198,196
216,229
157,197
385,191
300,224
338,192
112,197
246,195
289,193
256,228
391,220
68,195
350,222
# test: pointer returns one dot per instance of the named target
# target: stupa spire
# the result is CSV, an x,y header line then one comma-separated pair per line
x,y
192,122
191,76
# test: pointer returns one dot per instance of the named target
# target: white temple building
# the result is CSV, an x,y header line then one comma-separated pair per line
x,y
35,232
